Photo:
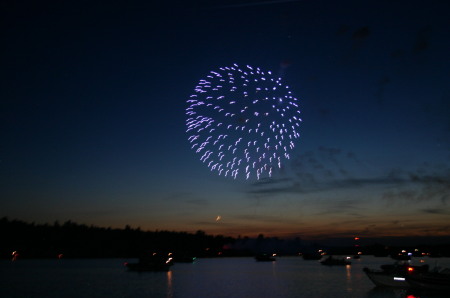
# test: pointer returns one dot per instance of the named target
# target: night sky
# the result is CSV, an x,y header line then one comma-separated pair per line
x,y
93,125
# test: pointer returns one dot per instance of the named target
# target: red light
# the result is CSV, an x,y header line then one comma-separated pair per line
x,y
410,269
356,238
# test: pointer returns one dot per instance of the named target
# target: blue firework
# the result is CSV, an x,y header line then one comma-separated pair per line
x,y
242,121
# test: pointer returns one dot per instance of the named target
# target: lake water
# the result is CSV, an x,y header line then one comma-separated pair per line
x,y
216,277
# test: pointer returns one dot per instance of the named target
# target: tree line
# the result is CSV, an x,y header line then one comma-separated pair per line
x,y
73,240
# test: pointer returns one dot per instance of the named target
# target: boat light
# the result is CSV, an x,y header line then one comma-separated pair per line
x,y
410,269
399,278
15,255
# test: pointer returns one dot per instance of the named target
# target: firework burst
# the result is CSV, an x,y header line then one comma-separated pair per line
x,y
242,121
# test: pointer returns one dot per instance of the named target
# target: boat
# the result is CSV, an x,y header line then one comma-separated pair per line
x,y
265,258
394,275
436,280
330,261
152,262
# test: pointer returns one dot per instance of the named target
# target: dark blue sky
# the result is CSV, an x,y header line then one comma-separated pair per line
x,y
93,99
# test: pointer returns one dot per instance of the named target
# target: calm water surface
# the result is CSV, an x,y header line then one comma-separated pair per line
x,y
221,277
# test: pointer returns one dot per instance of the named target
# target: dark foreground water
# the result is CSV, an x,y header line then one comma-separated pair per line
x,y
221,277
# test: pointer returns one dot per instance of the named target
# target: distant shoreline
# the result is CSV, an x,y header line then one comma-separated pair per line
x,y
72,240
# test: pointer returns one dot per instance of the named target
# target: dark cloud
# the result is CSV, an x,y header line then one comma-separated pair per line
x,y
436,211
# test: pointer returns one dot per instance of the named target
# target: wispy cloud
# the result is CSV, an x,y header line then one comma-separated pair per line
x,y
329,169
264,218
422,187
438,211
349,207
313,185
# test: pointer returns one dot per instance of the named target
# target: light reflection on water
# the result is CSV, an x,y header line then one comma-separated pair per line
x,y
220,277
169,285
348,274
